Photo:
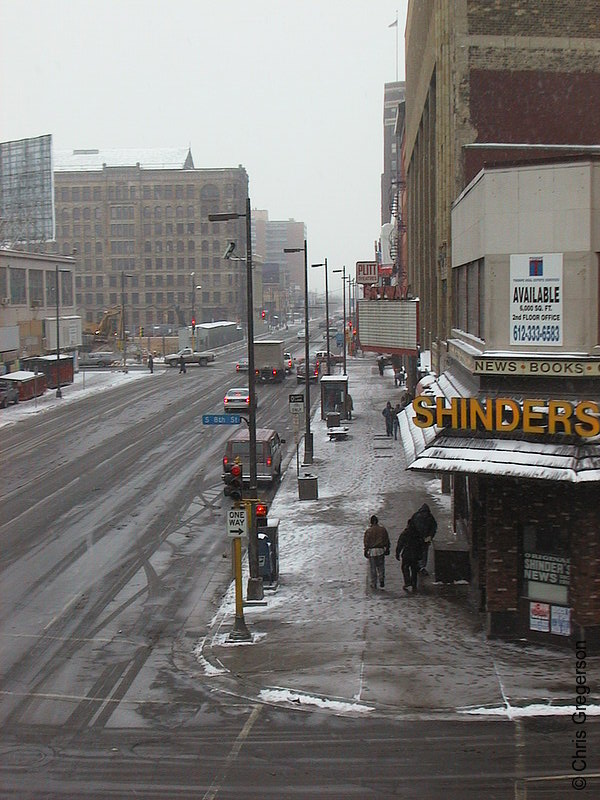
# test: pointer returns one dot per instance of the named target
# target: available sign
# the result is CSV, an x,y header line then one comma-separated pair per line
x,y
536,285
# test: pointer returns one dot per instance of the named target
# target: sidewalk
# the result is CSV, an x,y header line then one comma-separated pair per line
x,y
323,638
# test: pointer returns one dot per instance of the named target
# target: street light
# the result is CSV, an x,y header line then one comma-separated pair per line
x,y
123,329
192,274
324,264
308,437
58,389
343,271
255,585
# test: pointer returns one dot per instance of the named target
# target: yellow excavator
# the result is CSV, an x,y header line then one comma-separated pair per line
x,y
108,329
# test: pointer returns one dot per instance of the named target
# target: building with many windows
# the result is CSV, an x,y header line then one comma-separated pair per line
x,y
137,221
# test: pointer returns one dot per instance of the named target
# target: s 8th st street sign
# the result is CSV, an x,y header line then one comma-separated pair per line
x,y
221,419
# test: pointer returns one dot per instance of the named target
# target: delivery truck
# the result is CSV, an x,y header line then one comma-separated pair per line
x,y
269,363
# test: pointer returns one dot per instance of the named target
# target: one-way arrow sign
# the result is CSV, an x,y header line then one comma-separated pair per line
x,y
236,522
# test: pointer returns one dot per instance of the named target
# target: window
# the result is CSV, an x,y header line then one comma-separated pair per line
x,y
158,263
148,297
64,195
36,287
157,191
148,280
158,228
76,213
99,281
157,212
97,193
468,285
75,194
112,299
112,281
85,193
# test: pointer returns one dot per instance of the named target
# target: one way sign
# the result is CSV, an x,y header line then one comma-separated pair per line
x,y
236,522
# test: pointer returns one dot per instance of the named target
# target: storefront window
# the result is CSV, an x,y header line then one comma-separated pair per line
x,y
546,563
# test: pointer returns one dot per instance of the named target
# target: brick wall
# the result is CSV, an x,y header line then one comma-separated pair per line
x,y
573,18
511,504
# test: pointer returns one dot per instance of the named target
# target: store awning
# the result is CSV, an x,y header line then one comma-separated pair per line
x,y
438,450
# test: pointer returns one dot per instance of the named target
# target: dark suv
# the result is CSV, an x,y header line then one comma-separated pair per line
x,y
8,393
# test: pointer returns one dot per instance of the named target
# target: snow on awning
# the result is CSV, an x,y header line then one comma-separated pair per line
x,y
436,450
512,458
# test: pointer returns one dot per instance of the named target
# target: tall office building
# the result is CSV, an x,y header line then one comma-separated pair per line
x,y
137,222
283,273
486,83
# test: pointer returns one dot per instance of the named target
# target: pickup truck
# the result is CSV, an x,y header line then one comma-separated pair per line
x,y
190,357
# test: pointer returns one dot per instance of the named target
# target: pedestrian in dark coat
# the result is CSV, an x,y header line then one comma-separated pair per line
x,y
150,363
381,364
410,547
376,547
182,364
388,413
424,521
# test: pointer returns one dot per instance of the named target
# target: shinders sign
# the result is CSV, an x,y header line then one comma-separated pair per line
x,y
503,414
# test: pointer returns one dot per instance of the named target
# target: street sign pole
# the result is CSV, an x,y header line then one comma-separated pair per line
x,y
236,528
240,632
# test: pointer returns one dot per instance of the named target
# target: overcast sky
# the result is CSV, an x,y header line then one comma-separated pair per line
x,y
290,89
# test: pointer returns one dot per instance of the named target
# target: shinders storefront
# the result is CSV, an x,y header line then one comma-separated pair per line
x,y
525,476
514,416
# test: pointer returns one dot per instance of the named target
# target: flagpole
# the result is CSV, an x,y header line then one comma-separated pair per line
x,y
396,45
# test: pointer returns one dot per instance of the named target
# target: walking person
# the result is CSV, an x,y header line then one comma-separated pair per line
x,y
381,364
150,363
388,413
376,548
410,547
396,422
182,364
425,523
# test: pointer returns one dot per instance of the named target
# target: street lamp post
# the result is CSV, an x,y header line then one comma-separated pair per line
x,y
123,329
343,271
308,437
58,389
255,585
194,287
324,264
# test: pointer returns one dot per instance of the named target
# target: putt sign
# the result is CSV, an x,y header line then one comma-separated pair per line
x,y
236,522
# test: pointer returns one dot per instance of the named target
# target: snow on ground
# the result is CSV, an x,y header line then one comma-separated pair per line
x,y
534,710
84,384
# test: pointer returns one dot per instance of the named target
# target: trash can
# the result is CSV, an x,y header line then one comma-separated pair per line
x,y
333,419
308,487
271,531
265,558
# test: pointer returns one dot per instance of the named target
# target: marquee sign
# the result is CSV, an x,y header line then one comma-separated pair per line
x,y
503,414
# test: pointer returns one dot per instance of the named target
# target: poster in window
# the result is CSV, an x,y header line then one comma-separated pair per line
x,y
560,620
536,285
539,617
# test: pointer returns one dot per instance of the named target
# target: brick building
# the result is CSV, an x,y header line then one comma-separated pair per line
x,y
143,215
514,420
479,75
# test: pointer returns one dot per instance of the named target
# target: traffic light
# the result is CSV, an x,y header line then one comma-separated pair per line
x,y
261,510
233,480
263,313
141,330
193,324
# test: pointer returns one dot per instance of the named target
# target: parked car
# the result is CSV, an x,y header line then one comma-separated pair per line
x,y
300,335
242,365
269,453
289,362
9,393
238,399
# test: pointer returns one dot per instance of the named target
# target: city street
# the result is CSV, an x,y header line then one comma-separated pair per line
x,y
114,564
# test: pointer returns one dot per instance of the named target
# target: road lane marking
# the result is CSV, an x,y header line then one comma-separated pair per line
x,y
214,788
